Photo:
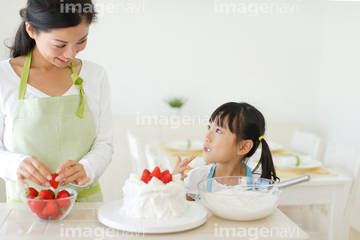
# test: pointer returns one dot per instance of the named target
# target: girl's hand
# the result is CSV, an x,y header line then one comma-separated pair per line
x,y
181,166
34,170
72,171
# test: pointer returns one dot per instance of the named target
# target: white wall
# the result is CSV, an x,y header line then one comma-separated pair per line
x,y
185,48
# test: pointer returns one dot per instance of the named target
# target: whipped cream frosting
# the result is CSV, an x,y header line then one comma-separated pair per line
x,y
154,200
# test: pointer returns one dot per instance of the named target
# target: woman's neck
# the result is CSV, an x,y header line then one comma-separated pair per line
x,y
230,169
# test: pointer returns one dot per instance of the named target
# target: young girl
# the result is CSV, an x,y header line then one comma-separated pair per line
x,y
234,133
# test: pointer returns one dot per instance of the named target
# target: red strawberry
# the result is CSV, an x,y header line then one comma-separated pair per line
x,y
53,183
50,208
56,215
165,172
31,192
52,193
29,202
63,204
156,173
37,206
166,178
146,176
40,215
47,194
63,194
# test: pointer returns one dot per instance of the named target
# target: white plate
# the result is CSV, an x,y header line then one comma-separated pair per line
x,y
183,145
108,214
289,162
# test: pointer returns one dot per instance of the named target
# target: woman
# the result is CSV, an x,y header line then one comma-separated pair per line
x,y
51,119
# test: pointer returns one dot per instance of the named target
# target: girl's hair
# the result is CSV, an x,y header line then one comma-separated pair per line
x,y
45,15
246,122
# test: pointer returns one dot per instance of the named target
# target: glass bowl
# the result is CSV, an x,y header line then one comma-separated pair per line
x,y
239,198
62,206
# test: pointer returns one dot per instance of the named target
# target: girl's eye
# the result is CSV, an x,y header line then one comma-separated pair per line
x,y
218,130
60,46
208,127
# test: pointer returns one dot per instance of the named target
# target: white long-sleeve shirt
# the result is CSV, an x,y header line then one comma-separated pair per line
x,y
97,94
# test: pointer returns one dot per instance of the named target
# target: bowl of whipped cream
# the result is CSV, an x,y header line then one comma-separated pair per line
x,y
240,198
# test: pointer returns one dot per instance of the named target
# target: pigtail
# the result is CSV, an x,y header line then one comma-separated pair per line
x,y
266,162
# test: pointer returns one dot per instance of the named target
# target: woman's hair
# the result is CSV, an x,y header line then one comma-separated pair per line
x,y
247,123
46,15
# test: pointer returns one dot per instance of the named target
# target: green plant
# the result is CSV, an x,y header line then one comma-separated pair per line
x,y
176,102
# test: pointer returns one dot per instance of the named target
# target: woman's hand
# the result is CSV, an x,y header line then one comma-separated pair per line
x,y
72,171
181,166
34,170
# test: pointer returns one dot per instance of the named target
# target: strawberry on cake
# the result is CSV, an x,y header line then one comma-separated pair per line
x,y
156,195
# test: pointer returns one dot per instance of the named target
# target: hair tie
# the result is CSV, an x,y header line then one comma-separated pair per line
x,y
261,138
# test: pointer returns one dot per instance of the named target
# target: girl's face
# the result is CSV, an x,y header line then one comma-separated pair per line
x,y
60,46
219,144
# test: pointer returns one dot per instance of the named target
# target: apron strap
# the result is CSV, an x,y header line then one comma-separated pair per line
x,y
210,175
88,192
249,177
78,81
24,76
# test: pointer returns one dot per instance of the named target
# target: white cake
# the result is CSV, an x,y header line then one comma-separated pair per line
x,y
154,200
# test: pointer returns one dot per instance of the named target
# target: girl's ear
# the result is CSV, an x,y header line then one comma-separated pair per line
x,y
244,147
29,30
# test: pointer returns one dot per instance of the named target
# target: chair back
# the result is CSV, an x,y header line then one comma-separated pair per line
x,y
305,143
347,160
155,157
138,160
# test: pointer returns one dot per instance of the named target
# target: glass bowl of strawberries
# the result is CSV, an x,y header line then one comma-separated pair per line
x,y
47,205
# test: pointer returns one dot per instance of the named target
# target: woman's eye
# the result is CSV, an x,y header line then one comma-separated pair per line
x,y
218,130
82,41
208,127
60,46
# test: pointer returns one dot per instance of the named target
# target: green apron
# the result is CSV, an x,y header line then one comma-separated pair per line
x,y
53,129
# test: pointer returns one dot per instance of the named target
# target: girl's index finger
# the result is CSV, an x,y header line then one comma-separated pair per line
x,y
189,159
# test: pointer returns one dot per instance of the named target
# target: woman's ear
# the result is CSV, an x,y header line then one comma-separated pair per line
x,y
244,147
29,30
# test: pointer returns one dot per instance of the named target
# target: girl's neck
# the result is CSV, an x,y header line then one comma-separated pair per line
x,y
230,169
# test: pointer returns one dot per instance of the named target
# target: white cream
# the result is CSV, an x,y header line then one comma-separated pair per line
x,y
241,205
154,200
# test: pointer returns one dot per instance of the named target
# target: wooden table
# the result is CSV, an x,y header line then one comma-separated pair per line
x,y
16,222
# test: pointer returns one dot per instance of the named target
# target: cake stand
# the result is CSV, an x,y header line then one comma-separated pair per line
x,y
109,215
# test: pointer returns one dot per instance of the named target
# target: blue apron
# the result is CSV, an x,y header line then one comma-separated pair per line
x,y
211,174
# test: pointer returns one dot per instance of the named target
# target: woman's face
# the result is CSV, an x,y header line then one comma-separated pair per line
x,y
60,46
